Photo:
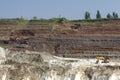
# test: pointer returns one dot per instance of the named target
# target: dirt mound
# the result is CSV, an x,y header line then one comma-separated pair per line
x,y
22,33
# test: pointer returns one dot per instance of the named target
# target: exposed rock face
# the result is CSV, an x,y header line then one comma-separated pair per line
x,y
65,54
2,53
65,44
78,46
31,65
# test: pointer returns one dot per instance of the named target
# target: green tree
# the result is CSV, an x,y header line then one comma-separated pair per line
x,y
87,15
115,15
98,15
109,16
35,18
59,20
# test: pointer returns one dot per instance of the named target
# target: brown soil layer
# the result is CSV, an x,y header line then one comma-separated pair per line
x,y
67,40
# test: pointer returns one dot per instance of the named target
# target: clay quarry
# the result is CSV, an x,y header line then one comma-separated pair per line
x,y
75,39
45,50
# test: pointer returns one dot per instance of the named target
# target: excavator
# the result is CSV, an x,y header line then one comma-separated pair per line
x,y
104,59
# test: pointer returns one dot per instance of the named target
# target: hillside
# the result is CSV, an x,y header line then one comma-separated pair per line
x,y
81,39
36,50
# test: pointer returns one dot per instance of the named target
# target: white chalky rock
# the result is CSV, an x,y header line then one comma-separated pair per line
x,y
2,53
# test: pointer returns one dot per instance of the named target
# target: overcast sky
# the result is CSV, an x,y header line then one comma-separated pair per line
x,y
71,9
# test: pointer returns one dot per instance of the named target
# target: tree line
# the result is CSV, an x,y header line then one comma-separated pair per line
x,y
114,15
87,16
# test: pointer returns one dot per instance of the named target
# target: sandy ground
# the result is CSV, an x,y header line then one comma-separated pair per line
x,y
83,62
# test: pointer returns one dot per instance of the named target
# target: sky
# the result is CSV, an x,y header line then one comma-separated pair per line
x,y
71,9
